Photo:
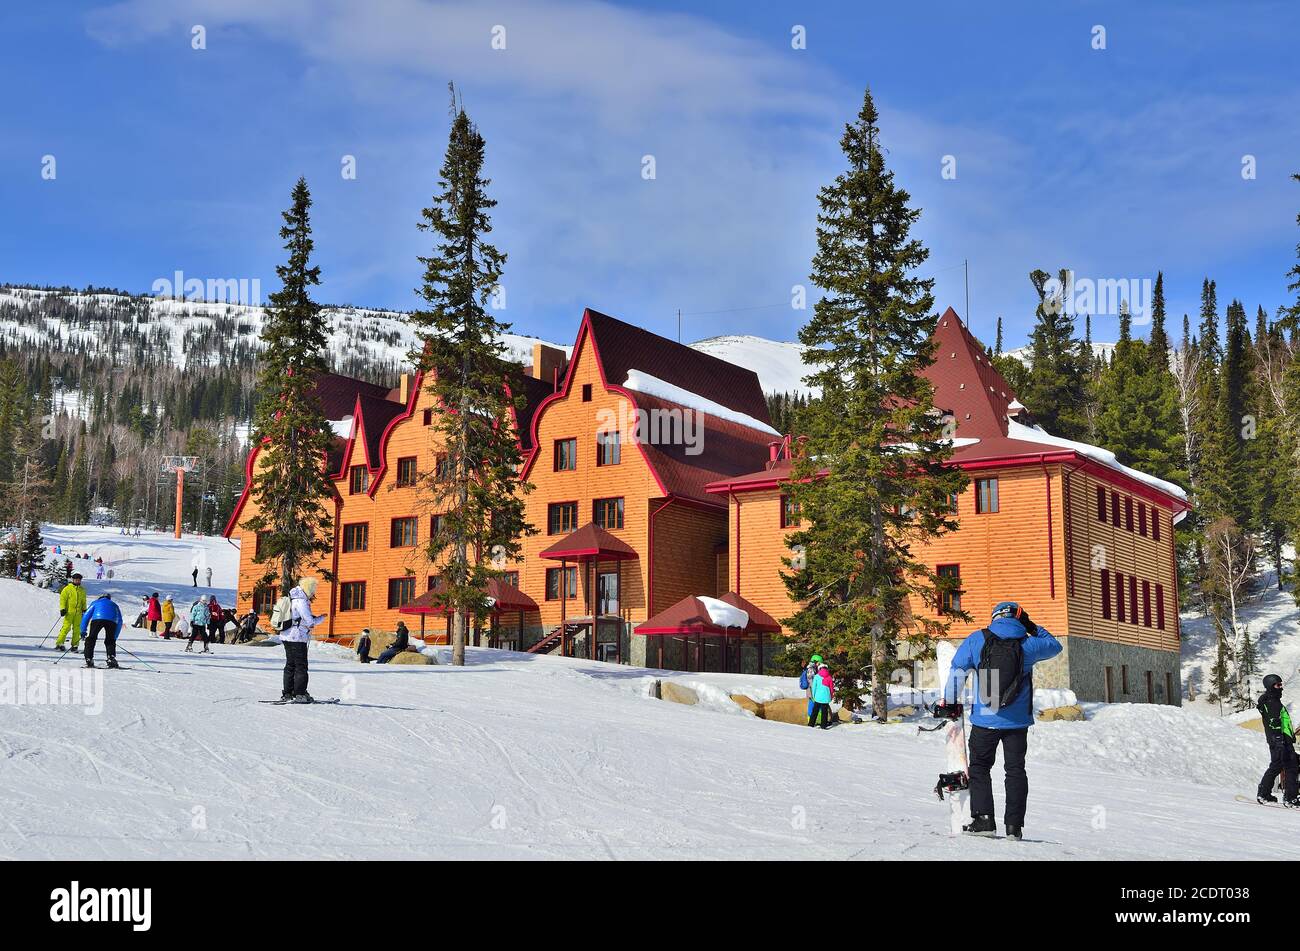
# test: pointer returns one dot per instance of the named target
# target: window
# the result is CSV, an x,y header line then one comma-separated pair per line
x,y
1155,523
953,500
264,599
566,455
1160,606
404,533
441,467
1146,603
607,513
428,417
1142,519
986,496
511,577
358,480
1105,593
1128,518
1123,676
406,472
1119,596
561,518
950,599
609,449
586,392
432,580
790,515
257,545
553,583
1132,600
1114,508
1101,504
356,537
400,591
352,596
435,526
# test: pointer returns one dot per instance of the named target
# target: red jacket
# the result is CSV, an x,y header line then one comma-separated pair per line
x,y
155,610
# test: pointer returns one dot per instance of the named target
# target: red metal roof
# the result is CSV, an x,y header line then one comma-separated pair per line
x,y
590,541
506,597
759,620
338,394
690,616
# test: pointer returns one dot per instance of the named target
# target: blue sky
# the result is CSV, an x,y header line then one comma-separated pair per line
x,y
1115,162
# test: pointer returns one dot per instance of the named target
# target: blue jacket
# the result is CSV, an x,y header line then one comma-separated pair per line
x,y
199,613
820,692
102,608
1019,712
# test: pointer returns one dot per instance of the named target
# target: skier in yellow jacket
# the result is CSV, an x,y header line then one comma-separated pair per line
x,y
72,604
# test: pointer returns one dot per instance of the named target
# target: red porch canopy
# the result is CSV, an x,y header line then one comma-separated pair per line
x,y
690,616
590,541
507,599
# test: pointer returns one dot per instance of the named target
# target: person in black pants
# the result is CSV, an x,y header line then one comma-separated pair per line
x,y
398,646
1002,656
1280,735
363,646
104,615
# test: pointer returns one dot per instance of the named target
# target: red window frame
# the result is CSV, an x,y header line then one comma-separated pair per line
x,y
986,496
1119,598
586,392
1101,504
572,442
1105,594
404,584
950,601
1142,519
1133,599
1114,508
435,525
414,522
600,510
609,452
349,530
406,472
358,480
570,579
1128,513
1146,603
550,521
428,417
347,595
791,517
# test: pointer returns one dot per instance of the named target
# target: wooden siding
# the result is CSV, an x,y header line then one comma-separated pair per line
x,y
1095,545
755,549
686,536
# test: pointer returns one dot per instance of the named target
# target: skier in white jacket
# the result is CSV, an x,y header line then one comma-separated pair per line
x,y
296,638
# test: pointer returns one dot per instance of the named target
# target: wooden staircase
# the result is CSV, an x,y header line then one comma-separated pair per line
x,y
554,639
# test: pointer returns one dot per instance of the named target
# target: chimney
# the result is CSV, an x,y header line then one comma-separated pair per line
x,y
773,453
404,389
549,363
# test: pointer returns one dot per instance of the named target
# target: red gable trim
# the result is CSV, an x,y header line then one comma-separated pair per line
x,y
583,331
243,496
411,398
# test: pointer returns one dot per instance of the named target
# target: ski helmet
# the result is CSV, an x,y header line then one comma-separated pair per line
x,y
815,659
1005,609
1271,681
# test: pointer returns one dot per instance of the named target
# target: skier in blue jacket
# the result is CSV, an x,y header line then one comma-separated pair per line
x,y
1003,656
103,615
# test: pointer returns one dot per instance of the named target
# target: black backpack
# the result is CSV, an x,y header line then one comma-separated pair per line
x,y
1002,665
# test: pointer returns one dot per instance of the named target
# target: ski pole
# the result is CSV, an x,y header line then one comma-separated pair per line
x,y
48,633
130,653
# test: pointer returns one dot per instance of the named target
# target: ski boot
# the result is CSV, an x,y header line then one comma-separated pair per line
x,y
90,663
1265,798
1293,803
60,648
112,663
303,698
1015,832
981,825
205,651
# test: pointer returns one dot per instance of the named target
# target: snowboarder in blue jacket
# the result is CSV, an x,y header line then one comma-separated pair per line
x,y
103,615
1003,656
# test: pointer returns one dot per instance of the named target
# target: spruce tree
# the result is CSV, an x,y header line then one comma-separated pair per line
x,y
31,550
873,483
1055,392
1158,341
291,487
478,493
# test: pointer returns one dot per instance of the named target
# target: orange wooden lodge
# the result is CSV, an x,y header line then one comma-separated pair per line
x,y
658,482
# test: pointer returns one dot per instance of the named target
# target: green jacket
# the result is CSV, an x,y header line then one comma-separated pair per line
x,y
72,599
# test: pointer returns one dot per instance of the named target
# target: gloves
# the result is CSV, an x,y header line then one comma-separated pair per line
x,y
63,612
948,711
1030,626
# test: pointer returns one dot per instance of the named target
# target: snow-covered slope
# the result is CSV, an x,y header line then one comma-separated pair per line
x,y
1102,351
522,756
778,363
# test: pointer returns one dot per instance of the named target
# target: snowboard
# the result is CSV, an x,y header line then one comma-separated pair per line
x,y
1250,801
955,761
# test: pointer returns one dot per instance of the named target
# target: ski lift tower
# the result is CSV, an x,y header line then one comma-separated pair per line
x,y
180,465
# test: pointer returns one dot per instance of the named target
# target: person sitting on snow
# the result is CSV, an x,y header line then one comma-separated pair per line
x,y
1280,735
1003,657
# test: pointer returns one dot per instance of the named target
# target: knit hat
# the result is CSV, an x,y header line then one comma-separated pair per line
x,y
308,586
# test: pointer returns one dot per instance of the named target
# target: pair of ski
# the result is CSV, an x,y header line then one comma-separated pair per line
x,y
280,703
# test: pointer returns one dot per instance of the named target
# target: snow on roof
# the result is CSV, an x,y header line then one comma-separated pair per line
x,y
723,614
342,427
1107,458
641,382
